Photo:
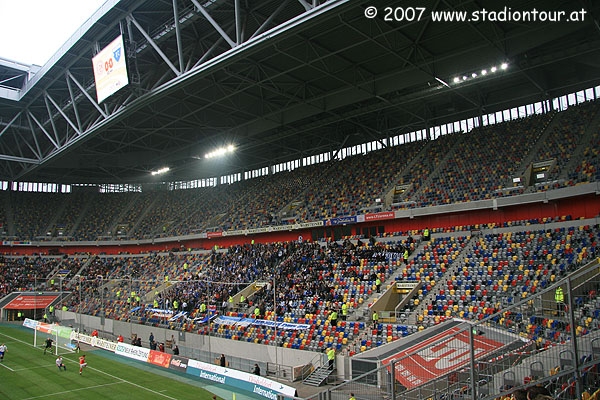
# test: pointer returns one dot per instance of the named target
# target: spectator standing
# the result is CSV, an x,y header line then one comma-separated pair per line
x,y
375,318
331,357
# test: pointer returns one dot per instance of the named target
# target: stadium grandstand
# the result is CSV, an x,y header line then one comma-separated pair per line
x,y
366,199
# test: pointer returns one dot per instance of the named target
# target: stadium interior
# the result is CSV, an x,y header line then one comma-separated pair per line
x,y
370,187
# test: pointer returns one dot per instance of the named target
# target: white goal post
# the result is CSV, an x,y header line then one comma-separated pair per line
x,y
60,335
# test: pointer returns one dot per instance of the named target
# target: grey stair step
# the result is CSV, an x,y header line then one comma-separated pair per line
x,y
318,376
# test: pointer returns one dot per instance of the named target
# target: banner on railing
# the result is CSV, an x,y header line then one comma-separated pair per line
x,y
274,228
135,352
159,358
80,337
256,384
178,315
312,224
339,221
178,363
16,242
238,321
380,215
160,312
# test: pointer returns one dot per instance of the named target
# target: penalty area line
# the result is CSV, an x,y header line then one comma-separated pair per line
x,y
9,368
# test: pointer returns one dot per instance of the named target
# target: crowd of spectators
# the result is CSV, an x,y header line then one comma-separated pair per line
x,y
453,168
561,142
25,273
354,183
32,212
97,222
483,163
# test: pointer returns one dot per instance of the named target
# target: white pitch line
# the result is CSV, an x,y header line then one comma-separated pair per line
x,y
27,369
1,363
73,390
102,372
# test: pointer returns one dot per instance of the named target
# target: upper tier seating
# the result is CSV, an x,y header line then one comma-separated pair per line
x,y
455,168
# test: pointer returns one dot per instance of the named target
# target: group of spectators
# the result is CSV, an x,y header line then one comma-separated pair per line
x,y
24,273
453,168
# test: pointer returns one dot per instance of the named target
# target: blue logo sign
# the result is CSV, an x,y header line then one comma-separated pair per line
x,y
117,54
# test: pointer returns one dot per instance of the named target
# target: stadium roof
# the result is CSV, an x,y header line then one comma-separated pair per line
x,y
280,79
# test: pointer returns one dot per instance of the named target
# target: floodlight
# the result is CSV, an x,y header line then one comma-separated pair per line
x,y
220,151
160,171
474,75
484,72
464,77
504,65
456,79
493,69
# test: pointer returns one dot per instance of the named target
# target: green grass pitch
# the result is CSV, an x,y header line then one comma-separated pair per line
x,y
27,374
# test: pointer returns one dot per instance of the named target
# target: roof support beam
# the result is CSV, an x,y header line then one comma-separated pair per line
x,y
62,113
178,36
420,35
51,118
30,148
214,23
154,45
74,103
304,4
10,123
238,23
340,147
6,157
38,153
208,52
86,94
43,130
265,24
406,60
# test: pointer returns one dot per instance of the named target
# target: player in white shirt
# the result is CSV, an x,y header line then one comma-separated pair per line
x,y
59,363
2,351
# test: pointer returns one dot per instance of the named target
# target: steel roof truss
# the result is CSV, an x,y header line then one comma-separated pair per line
x,y
43,130
162,55
270,18
63,114
214,24
178,36
10,123
86,94
38,153
51,118
74,103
